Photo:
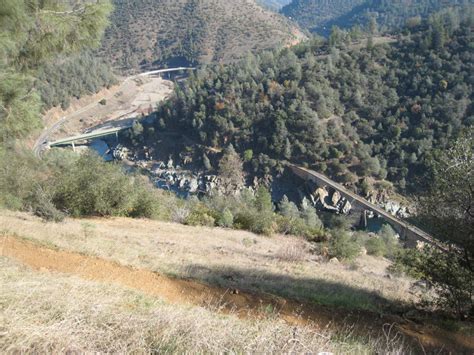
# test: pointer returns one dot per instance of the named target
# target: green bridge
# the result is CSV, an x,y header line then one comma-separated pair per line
x,y
88,136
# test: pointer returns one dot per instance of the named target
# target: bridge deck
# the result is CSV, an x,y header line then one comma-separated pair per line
x,y
307,174
86,136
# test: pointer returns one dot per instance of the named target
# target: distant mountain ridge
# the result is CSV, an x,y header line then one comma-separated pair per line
x,y
318,16
192,31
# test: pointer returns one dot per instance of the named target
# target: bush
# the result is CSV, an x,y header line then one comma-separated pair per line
x,y
200,216
255,221
390,239
343,246
447,272
226,219
376,246
91,187
19,173
43,206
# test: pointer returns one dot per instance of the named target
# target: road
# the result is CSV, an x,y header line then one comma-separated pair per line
x,y
41,143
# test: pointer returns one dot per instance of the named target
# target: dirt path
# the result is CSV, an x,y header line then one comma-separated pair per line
x,y
242,304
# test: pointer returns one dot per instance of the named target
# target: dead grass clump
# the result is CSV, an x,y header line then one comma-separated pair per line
x,y
293,252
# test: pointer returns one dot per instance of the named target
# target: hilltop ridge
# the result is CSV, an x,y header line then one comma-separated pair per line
x,y
318,16
190,32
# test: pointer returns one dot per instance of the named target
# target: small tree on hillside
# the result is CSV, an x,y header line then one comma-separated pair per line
x,y
231,171
447,209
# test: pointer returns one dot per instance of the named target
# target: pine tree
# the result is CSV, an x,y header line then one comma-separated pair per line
x,y
33,32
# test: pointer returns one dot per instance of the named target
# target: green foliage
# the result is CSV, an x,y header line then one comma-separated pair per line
x,y
90,187
319,16
386,107
226,219
19,105
447,209
248,155
303,223
206,162
43,206
32,33
343,246
263,200
376,246
288,209
20,173
390,240
73,76
231,170
200,216
78,186
447,272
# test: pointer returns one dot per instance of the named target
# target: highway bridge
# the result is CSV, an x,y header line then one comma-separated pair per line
x,y
88,136
408,232
162,71
43,140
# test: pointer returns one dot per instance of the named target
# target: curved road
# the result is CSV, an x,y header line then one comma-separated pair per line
x,y
41,143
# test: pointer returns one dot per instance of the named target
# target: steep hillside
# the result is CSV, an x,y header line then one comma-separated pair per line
x,y
190,32
104,284
350,112
319,16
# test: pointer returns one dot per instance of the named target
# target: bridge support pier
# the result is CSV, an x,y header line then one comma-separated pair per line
x,y
73,147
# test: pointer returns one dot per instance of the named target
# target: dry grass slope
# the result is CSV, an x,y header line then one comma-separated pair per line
x,y
219,312
202,31
53,313
225,258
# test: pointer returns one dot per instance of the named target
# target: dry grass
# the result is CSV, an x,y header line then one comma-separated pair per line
x,y
233,259
53,313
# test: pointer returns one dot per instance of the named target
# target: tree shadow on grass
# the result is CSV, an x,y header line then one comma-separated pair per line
x,y
363,313
309,290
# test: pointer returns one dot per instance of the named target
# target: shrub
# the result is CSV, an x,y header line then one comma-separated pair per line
x,y
294,252
248,155
19,173
91,187
43,206
226,219
343,246
338,222
200,216
255,221
376,246
390,239
447,272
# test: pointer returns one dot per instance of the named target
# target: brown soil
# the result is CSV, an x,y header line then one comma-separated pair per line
x,y
243,304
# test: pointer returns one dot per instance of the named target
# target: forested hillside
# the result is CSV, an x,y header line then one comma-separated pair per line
x,y
191,32
319,16
379,111
64,78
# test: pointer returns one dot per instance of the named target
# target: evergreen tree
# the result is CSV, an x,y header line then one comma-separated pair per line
x,y
32,33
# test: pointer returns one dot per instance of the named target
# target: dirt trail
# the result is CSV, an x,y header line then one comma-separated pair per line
x,y
242,304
